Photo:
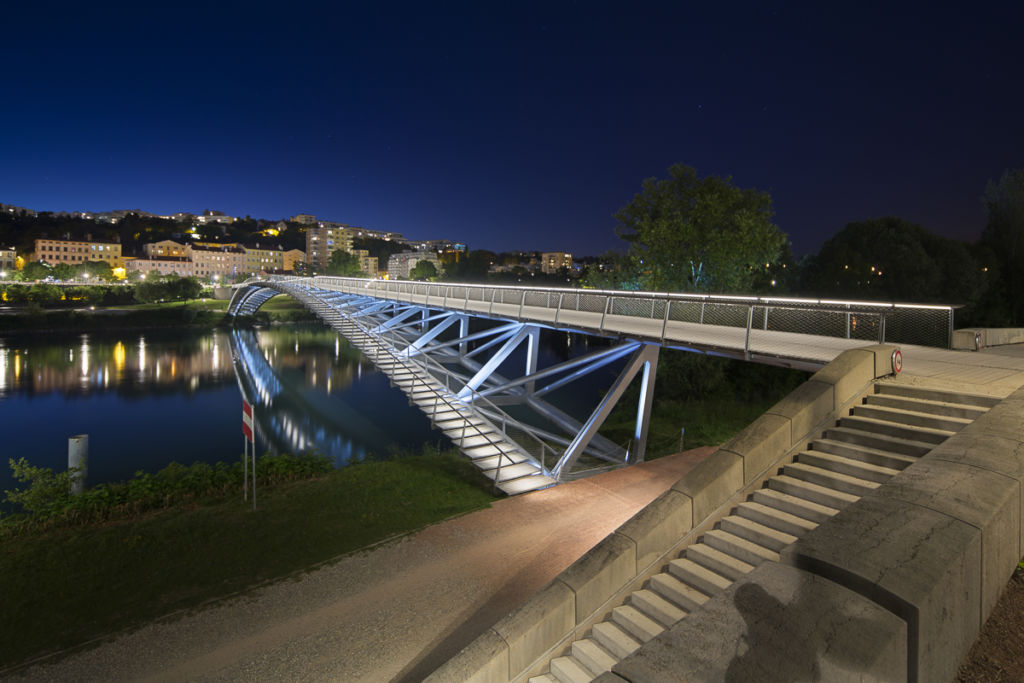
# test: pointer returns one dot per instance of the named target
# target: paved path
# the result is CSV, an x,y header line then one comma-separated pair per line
x,y
393,613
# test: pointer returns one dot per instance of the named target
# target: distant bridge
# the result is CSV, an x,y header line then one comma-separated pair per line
x,y
443,344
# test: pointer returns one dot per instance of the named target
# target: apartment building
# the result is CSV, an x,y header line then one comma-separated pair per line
x,y
321,242
552,261
77,252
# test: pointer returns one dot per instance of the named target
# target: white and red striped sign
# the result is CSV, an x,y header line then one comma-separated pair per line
x,y
247,420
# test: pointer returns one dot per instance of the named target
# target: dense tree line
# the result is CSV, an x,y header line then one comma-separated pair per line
x,y
687,233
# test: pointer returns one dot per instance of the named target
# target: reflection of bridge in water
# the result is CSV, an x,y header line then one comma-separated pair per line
x,y
467,355
293,418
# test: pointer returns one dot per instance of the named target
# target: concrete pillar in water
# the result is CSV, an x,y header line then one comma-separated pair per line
x,y
78,456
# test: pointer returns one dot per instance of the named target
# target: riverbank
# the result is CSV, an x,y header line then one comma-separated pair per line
x,y
200,313
392,613
67,586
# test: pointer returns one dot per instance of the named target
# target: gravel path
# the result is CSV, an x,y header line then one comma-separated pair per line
x,y
392,613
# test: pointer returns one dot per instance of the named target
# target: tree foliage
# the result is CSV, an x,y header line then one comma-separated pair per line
x,y
893,259
423,270
36,270
345,264
703,234
1004,236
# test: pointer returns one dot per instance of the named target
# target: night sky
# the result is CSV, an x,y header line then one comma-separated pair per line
x,y
510,125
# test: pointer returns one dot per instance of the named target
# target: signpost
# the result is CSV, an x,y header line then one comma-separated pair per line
x,y
249,433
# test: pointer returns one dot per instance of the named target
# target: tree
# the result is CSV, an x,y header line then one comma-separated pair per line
x,y
100,270
893,259
423,270
63,271
345,264
45,294
150,290
36,270
184,288
703,234
1004,235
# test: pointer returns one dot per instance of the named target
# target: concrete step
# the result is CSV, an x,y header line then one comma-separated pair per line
x,y
799,507
543,678
832,480
675,591
526,484
615,640
590,654
878,441
900,431
697,576
635,623
776,519
921,405
874,456
912,417
762,535
842,465
568,670
718,558
656,607
811,492
962,398
486,451
745,554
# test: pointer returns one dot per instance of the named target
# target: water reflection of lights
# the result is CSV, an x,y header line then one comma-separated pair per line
x,y
142,357
119,357
3,369
85,356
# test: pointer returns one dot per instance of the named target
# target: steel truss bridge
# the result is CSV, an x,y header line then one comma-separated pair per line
x,y
443,344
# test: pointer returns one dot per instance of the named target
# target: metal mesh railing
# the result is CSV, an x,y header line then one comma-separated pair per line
x,y
866,321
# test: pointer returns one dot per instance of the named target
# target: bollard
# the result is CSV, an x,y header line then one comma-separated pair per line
x,y
682,435
78,458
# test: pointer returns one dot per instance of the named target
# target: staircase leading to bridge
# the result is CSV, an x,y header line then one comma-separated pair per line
x,y
895,425
498,458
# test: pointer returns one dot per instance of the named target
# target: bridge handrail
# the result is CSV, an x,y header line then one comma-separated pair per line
x,y
927,324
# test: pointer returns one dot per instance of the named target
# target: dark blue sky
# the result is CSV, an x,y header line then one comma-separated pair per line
x,y
510,125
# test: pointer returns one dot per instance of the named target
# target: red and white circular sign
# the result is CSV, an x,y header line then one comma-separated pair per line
x,y
897,362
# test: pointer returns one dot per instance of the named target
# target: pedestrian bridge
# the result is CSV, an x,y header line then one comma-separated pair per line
x,y
467,355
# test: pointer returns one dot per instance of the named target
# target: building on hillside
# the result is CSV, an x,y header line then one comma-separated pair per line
x,y
8,259
165,265
322,242
17,210
209,216
294,261
224,262
401,265
367,264
166,249
552,261
76,252
304,219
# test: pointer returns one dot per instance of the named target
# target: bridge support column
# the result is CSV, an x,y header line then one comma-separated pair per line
x,y
646,359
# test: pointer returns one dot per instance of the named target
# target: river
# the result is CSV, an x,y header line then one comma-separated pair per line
x,y
146,398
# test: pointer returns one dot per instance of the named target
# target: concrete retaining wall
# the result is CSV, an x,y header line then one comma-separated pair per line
x,y
967,339
899,583
938,543
517,645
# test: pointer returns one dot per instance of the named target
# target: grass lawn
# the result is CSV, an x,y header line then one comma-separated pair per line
x,y
711,422
63,587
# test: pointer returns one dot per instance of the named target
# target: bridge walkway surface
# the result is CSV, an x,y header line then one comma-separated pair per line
x,y
399,611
